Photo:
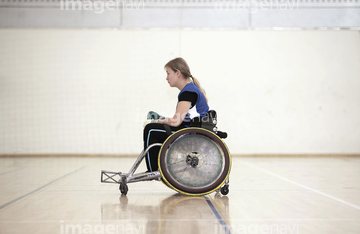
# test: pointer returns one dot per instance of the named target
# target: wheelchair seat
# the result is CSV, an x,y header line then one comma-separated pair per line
x,y
209,122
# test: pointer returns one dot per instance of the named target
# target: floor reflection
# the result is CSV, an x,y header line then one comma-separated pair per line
x,y
175,214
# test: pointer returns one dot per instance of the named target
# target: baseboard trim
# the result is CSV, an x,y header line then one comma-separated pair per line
x,y
308,155
66,155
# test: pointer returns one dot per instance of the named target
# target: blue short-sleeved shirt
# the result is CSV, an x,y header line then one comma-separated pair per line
x,y
200,108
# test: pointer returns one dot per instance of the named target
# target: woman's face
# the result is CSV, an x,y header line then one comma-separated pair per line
x,y
172,77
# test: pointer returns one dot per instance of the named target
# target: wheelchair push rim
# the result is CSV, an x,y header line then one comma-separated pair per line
x,y
194,161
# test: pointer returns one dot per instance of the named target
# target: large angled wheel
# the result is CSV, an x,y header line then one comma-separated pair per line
x,y
194,161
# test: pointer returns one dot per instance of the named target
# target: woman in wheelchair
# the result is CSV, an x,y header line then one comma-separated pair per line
x,y
193,159
191,107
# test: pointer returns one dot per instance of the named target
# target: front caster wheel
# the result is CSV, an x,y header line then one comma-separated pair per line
x,y
224,190
123,189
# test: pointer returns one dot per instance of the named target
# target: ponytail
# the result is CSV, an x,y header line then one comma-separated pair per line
x,y
197,83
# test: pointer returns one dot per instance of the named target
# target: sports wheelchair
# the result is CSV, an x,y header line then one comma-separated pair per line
x,y
192,161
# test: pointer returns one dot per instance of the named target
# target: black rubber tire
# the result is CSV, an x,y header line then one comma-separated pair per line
x,y
225,190
123,189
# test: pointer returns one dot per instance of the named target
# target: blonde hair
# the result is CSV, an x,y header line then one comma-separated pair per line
x,y
179,64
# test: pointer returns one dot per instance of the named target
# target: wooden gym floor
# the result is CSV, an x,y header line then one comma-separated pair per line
x,y
267,195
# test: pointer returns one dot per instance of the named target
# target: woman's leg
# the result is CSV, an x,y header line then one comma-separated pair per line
x,y
155,133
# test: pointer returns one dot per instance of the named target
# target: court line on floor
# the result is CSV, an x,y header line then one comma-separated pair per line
x,y
38,189
303,186
222,222
17,169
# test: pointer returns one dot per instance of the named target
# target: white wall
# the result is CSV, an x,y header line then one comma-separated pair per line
x,y
88,91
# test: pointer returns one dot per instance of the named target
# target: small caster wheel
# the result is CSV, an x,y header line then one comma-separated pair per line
x,y
123,189
225,190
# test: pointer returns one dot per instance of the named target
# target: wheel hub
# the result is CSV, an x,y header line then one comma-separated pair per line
x,y
192,159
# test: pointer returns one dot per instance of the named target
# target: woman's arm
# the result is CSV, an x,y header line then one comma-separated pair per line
x,y
181,111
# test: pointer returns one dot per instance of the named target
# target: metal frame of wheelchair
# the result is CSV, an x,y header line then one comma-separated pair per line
x,y
192,161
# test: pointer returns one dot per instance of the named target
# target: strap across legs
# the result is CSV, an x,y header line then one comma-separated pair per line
x,y
167,129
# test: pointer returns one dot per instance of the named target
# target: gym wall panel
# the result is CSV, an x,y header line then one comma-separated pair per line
x,y
67,91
